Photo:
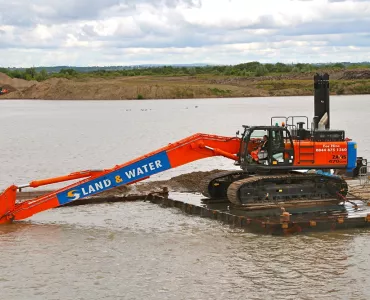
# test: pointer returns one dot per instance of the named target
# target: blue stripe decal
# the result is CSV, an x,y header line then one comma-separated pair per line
x,y
143,168
352,156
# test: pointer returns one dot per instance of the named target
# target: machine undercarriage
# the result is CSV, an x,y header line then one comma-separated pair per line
x,y
243,188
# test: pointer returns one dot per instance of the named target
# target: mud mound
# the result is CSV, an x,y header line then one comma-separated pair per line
x,y
5,79
14,84
189,182
48,89
356,74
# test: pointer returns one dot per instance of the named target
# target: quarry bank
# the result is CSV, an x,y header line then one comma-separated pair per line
x,y
344,82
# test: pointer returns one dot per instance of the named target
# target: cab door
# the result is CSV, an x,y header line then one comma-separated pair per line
x,y
251,139
281,147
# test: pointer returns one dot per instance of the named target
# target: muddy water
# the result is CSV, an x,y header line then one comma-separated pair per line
x,y
142,251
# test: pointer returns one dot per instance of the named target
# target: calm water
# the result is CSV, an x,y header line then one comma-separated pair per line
x,y
142,251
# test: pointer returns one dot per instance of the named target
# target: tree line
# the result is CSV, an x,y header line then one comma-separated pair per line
x,y
249,69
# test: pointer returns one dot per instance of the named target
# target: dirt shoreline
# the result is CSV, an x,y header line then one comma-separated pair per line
x,y
350,82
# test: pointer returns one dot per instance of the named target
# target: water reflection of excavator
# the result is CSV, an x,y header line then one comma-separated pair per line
x,y
268,172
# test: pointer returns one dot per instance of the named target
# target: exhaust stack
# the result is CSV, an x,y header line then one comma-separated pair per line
x,y
321,101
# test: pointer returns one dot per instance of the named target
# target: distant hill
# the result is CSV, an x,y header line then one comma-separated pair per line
x,y
57,69
87,69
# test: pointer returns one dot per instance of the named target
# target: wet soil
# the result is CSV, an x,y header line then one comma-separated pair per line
x,y
189,182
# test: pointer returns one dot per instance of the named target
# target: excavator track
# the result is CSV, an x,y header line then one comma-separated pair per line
x,y
268,189
215,186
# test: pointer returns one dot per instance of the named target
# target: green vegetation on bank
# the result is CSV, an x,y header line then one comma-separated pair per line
x,y
250,69
305,87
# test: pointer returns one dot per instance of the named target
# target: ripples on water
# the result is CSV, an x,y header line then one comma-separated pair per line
x,y
140,250
143,251
49,138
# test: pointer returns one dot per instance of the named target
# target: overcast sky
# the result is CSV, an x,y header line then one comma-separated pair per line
x,y
128,32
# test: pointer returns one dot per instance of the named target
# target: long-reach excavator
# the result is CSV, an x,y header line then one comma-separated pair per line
x,y
271,160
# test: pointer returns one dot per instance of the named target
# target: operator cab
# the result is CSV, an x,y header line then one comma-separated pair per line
x,y
278,152
258,153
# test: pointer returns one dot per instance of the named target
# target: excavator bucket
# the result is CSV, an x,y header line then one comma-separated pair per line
x,y
7,204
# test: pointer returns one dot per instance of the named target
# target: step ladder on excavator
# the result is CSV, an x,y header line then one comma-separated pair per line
x,y
306,153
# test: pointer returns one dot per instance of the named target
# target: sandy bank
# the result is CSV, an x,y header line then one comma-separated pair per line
x,y
184,87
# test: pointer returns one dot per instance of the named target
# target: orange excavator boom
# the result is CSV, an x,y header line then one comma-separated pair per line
x,y
190,149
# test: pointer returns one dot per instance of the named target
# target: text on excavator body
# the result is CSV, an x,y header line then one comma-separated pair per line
x,y
136,171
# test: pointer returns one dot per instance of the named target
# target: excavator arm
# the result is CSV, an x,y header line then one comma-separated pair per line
x,y
190,149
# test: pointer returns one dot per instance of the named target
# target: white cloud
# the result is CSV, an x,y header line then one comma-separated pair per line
x,y
125,32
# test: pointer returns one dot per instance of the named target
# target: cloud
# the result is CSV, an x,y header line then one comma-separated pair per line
x,y
182,31
346,0
26,13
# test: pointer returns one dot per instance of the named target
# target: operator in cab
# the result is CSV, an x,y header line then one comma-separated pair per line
x,y
262,146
